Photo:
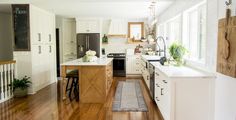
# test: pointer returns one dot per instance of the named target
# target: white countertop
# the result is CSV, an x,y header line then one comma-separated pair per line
x,y
99,62
151,57
181,71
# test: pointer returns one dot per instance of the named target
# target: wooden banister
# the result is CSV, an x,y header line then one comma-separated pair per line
x,y
7,62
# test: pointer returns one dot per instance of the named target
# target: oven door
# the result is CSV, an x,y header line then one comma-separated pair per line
x,y
119,67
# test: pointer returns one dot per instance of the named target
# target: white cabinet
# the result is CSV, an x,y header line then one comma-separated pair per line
x,y
145,72
133,64
87,26
69,40
41,60
182,93
42,26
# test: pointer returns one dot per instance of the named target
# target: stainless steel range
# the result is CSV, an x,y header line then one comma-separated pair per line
x,y
119,64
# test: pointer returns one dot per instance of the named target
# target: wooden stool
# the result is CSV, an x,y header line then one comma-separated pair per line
x,y
74,86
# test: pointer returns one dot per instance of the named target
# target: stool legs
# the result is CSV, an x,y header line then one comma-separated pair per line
x,y
73,88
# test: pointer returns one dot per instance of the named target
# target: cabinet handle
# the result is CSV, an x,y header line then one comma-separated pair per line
x,y
157,99
39,37
164,81
50,38
88,42
162,91
39,49
50,49
157,74
157,85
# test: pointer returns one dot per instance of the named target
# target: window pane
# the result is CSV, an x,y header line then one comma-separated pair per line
x,y
202,37
193,34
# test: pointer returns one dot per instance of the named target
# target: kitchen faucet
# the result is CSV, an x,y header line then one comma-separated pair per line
x,y
162,38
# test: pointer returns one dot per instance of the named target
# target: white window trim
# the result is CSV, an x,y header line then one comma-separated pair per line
x,y
201,63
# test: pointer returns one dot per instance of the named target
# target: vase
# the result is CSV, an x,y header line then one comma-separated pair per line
x,y
18,92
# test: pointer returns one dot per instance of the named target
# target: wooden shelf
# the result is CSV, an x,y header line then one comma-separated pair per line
x,y
117,36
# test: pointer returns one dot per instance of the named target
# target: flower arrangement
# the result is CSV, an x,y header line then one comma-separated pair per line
x,y
91,53
90,56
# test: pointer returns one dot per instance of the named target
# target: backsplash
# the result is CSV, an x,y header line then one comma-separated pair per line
x,y
119,45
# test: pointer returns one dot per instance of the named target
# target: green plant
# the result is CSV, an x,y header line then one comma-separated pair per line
x,y
177,51
21,83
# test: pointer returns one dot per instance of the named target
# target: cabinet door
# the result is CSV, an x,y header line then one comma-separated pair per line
x,y
82,26
37,66
129,65
36,26
93,26
87,26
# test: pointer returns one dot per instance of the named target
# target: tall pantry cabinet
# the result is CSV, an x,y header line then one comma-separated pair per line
x,y
41,60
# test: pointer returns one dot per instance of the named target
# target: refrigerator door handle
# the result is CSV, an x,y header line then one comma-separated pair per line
x,y
88,42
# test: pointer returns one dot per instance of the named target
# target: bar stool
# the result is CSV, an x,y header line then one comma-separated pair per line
x,y
74,86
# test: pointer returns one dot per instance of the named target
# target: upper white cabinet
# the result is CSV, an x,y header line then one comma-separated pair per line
x,y
87,26
182,93
42,25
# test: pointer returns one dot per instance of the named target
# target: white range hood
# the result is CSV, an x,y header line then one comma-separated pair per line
x,y
118,28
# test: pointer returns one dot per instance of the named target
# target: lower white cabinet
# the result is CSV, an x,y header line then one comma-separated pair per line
x,y
182,93
145,72
43,66
133,64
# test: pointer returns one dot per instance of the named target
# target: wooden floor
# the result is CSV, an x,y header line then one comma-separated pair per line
x,y
47,104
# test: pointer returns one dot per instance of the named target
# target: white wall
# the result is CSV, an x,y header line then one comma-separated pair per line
x,y
225,87
225,97
6,37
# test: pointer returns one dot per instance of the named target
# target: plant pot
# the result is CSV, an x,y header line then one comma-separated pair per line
x,y
18,92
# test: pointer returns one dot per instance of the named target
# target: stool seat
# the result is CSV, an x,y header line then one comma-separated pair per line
x,y
73,73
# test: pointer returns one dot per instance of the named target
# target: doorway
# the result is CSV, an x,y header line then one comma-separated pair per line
x,y
58,51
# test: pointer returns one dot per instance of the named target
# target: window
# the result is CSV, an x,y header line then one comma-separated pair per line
x,y
194,32
188,28
171,30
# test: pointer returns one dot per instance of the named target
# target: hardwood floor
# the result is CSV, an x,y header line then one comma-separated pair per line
x,y
47,104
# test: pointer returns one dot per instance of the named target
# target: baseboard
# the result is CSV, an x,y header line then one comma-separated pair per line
x,y
31,93
134,76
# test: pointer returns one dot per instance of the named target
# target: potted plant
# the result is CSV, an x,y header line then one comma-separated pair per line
x,y
20,86
177,52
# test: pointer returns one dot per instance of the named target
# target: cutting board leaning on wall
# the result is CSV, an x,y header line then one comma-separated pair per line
x,y
226,53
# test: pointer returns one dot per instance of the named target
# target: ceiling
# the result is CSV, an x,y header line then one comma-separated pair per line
x,y
95,8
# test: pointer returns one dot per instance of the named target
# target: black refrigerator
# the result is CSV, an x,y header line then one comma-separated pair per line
x,y
88,41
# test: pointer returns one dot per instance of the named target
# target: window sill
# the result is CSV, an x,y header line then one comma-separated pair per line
x,y
199,64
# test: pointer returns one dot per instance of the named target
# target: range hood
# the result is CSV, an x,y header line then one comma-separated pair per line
x,y
118,28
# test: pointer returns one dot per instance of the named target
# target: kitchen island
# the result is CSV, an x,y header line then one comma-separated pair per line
x,y
95,79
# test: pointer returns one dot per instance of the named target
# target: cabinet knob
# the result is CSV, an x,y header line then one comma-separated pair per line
x,y
157,85
39,37
164,81
40,51
162,91
157,99
50,37
157,74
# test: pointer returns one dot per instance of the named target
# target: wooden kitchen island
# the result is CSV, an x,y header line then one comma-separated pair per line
x,y
95,79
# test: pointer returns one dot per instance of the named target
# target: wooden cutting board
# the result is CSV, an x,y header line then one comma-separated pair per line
x,y
226,52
